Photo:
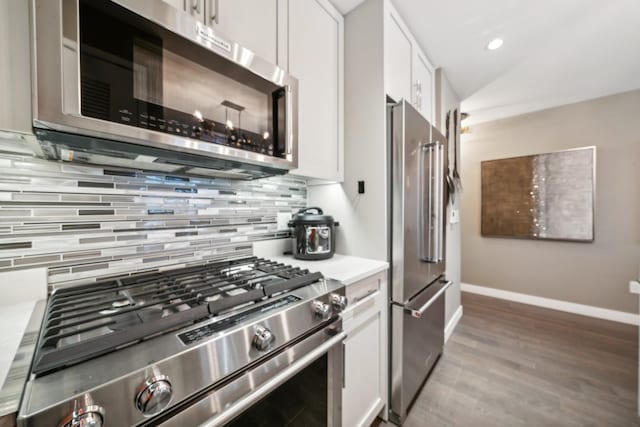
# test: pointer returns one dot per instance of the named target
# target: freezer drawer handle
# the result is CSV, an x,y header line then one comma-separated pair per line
x,y
418,313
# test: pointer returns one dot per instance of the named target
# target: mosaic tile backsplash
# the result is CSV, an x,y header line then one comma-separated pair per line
x,y
87,223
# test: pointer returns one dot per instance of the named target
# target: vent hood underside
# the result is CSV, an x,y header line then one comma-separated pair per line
x,y
104,152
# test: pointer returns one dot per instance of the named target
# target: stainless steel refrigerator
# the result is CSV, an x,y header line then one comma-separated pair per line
x,y
418,195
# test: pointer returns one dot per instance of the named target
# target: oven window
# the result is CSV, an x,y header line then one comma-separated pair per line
x,y
137,73
301,401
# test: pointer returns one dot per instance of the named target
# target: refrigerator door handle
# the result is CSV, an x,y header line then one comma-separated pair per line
x,y
425,230
418,312
439,187
431,234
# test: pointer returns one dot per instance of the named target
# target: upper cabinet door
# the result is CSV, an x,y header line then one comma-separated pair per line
x,y
316,45
397,58
424,85
252,23
15,67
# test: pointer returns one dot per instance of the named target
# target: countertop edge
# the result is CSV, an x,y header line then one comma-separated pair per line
x,y
12,388
346,269
364,275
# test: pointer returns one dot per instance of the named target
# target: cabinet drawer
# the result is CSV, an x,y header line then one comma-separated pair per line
x,y
366,299
359,290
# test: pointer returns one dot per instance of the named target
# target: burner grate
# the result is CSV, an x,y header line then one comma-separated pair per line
x,y
85,322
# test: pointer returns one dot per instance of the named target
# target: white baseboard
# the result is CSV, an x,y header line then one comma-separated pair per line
x,y
453,322
570,307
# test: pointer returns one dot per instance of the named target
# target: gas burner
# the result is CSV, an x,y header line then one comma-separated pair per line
x,y
88,321
127,320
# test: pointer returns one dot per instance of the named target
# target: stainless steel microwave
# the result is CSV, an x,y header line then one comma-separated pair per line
x,y
139,83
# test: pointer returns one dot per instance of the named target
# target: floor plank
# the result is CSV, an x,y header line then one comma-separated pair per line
x,y
511,364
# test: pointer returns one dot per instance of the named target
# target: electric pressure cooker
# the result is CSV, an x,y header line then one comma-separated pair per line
x,y
314,234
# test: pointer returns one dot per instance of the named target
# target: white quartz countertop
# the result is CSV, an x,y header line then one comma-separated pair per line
x,y
634,287
343,268
21,291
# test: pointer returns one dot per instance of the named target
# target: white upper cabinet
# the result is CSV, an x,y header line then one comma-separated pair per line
x,y
178,4
315,58
423,77
15,75
398,57
408,73
252,23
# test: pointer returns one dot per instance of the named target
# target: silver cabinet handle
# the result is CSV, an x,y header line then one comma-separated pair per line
x,y
344,362
419,312
214,16
195,5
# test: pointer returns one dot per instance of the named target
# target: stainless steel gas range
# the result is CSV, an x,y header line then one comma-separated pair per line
x,y
228,343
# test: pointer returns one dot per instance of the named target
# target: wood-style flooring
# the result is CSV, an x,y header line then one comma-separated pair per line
x,y
510,364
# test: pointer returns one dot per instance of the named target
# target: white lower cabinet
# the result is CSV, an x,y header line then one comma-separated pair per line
x,y
364,394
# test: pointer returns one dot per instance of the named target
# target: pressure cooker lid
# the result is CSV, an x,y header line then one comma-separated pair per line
x,y
312,215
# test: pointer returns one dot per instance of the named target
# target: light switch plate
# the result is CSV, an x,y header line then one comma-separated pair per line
x,y
455,216
282,220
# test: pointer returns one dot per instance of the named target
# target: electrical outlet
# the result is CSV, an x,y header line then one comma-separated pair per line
x,y
455,216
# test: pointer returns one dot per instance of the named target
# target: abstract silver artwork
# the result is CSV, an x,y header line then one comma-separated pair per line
x,y
545,196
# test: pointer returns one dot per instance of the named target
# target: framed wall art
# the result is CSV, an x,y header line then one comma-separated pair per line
x,y
544,196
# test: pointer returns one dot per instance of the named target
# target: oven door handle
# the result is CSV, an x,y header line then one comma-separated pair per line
x,y
247,401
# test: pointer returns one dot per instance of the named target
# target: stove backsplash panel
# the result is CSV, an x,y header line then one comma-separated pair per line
x,y
86,223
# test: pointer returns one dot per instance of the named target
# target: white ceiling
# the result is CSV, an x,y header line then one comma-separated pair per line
x,y
555,51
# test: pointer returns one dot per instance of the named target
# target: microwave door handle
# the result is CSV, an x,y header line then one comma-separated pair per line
x,y
289,118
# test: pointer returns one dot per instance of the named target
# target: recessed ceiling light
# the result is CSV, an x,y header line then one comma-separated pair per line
x,y
495,44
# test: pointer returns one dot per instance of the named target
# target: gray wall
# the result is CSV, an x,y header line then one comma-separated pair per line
x,y
595,274
446,100
363,217
84,222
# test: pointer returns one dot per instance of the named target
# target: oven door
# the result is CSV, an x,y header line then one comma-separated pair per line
x,y
301,385
150,75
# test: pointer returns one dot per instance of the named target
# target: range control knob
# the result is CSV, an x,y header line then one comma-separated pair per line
x,y
262,339
91,416
339,302
154,395
321,309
